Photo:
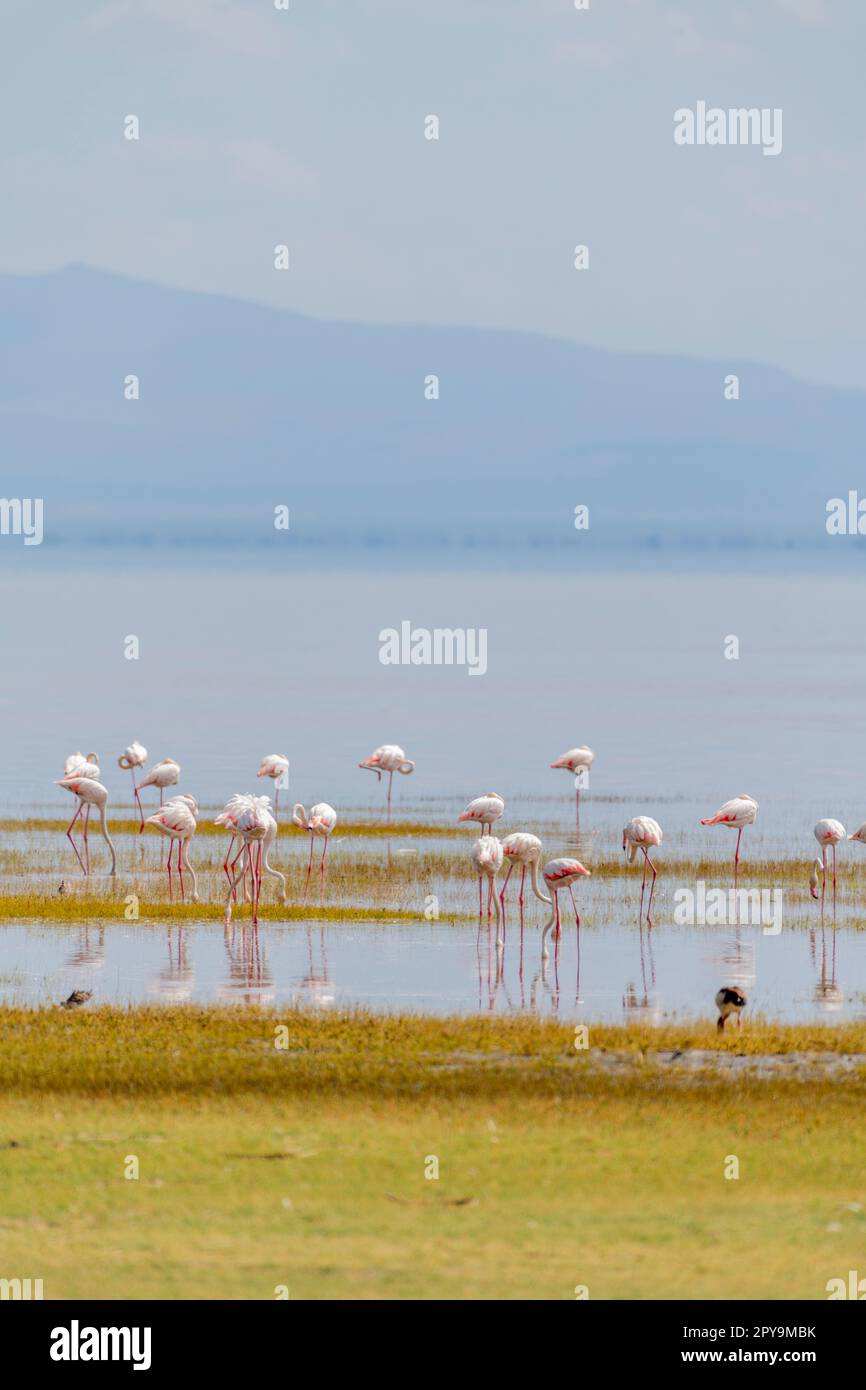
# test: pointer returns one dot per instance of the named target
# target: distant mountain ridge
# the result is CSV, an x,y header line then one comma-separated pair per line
x,y
244,407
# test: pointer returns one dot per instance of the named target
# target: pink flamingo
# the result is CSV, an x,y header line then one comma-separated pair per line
x,y
579,761
526,850
177,819
389,758
559,874
643,833
253,824
321,822
487,858
737,814
79,765
132,757
89,793
275,766
485,809
163,774
828,833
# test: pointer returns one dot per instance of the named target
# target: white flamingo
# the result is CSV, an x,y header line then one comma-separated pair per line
x,y
828,833
487,858
132,757
90,793
643,833
389,758
526,850
163,774
484,809
82,765
321,822
737,813
275,766
177,819
559,874
579,761
253,824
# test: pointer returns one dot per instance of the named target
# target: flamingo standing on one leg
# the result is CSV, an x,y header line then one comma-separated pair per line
x,y
89,793
485,809
737,813
526,850
579,761
320,821
389,758
163,774
487,857
177,819
559,874
828,833
643,833
275,766
132,757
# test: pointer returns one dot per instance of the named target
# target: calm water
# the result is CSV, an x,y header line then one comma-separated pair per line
x,y
233,665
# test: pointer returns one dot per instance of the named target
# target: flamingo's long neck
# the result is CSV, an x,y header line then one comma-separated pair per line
x,y
190,870
536,886
107,838
551,921
274,873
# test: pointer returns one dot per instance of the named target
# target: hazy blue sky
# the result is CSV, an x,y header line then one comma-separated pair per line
x,y
260,126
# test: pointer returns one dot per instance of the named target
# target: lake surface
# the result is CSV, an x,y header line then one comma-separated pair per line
x,y
237,663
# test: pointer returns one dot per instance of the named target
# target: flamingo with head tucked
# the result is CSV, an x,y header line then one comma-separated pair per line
x,y
389,758
90,793
643,833
579,761
275,766
82,765
737,813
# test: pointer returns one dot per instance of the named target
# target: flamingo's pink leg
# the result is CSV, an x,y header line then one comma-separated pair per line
x,y
161,793
70,837
390,780
168,866
649,906
737,857
505,885
480,899
643,885
309,868
86,841
574,905
834,883
823,876
180,871
489,898
522,881
140,808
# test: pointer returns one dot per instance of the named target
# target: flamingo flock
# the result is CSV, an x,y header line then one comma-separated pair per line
x,y
253,825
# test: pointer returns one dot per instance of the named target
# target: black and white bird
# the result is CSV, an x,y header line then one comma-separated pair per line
x,y
729,1000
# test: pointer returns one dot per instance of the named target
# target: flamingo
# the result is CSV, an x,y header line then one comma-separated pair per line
x,y
817,870
132,757
253,824
526,850
389,758
275,766
643,833
737,813
579,761
320,821
163,774
729,1000
485,809
178,819
487,857
559,874
89,793
79,765
828,833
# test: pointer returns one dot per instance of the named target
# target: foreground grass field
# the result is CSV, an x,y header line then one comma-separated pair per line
x,y
304,1166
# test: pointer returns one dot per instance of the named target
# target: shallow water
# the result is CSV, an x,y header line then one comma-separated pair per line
x,y
624,972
